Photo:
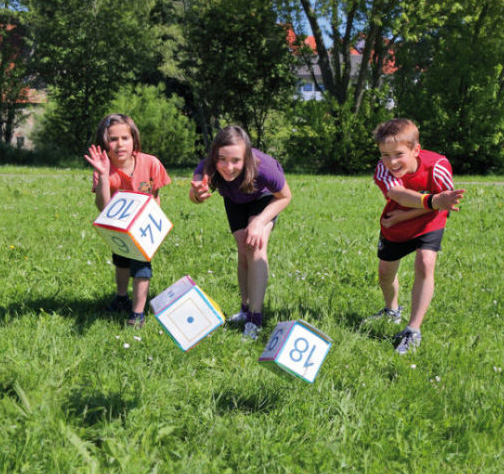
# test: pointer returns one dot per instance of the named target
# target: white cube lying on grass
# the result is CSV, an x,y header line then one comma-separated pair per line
x,y
296,347
186,313
133,225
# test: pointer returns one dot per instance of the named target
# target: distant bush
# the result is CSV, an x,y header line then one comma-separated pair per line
x,y
164,129
323,137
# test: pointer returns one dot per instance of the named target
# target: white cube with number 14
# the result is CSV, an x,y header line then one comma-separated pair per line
x,y
296,347
133,225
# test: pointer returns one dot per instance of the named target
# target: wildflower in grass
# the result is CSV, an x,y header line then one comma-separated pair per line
x,y
210,271
12,247
137,338
413,366
497,369
118,337
126,345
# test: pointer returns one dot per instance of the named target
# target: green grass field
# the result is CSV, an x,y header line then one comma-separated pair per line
x,y
74,398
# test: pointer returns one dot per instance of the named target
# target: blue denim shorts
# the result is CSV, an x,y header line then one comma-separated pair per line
x,y
137,268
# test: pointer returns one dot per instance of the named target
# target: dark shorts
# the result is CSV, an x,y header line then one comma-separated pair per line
x,y
238,214
390,251
137,268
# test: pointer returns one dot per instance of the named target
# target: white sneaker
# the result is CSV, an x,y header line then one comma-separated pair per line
x,y
251,331
238,317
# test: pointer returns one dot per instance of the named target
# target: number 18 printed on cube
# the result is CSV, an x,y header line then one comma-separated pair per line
x,y
296,347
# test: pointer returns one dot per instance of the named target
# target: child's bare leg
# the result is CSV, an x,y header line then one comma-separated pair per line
x,y
242,268
122,276
423,287
140,293
389,283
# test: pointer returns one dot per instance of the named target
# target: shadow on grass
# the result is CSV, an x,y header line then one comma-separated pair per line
x,y
232,400
89,409
84,312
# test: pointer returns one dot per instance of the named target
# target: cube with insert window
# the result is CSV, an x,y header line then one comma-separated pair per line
x,y
133,225
297,348
186,313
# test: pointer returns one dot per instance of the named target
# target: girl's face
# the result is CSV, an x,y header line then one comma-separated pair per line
x,y
120,144
230,161
399,158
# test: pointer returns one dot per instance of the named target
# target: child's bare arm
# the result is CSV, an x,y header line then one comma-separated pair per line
x,y
445,200
399,215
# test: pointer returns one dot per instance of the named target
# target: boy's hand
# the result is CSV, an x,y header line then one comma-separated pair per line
x,y
200,189
392,218
447,200
99,160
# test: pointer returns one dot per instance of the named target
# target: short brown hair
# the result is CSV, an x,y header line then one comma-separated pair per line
x,y
397,130
102,136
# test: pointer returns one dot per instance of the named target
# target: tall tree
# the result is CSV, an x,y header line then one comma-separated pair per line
x,y
14,80
451,81
240,64
85,51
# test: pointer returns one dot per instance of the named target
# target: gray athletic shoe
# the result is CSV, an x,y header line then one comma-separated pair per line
x,y
391,315
409,341
237,318
251,331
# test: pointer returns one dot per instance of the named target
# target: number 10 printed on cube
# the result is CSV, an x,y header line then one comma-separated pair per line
x,y
296,347
133,225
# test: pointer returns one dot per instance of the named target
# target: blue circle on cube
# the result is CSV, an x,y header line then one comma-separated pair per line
x,y
190,319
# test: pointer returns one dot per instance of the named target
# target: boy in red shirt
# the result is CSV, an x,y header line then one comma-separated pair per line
x,y
418,187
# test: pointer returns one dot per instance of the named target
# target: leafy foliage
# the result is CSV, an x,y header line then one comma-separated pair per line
x,y
451,81
165,131
241,62
86,50
14,82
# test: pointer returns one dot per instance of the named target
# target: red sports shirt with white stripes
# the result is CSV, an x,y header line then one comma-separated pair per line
x,y
434,174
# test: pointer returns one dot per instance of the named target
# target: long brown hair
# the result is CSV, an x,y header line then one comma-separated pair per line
x,y
231,135
102,136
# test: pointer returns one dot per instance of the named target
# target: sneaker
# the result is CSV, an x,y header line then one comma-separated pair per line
x,y
409,341
391,315
240,317
136,319
119,304
251,331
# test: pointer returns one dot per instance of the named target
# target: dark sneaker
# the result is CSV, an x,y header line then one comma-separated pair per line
x,y
408,341
251,331
136,319
119,305
390,315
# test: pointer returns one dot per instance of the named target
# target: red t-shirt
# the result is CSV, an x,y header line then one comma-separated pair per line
x,y
148,177
434,174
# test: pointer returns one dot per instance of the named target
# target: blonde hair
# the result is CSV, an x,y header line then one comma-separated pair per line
x,y
397,130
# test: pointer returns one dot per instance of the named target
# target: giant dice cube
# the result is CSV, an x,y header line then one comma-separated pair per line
x,y
133,225
186,313
296,347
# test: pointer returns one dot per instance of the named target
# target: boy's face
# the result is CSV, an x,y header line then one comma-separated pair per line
x,y
399,158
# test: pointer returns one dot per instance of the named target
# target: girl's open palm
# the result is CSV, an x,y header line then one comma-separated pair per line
x,y
98,159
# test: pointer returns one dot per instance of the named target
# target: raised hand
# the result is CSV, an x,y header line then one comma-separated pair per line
x,y
98,159
200,189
